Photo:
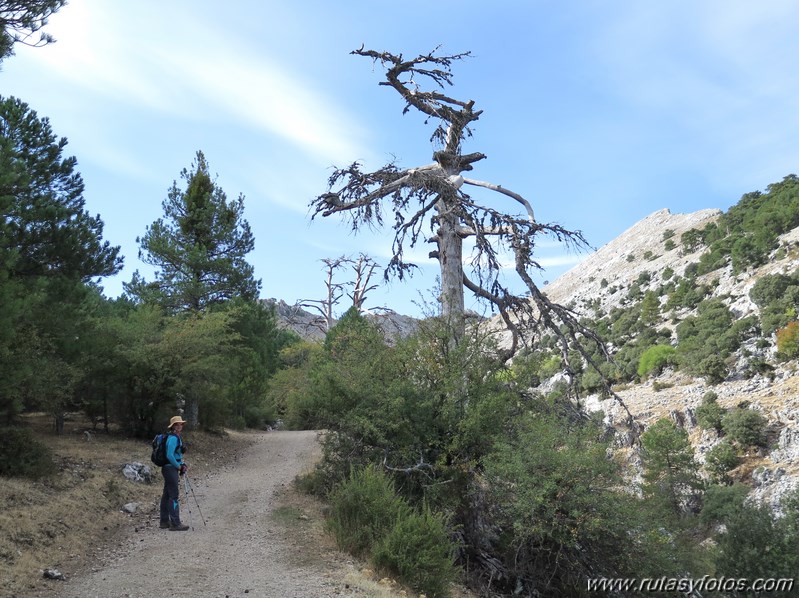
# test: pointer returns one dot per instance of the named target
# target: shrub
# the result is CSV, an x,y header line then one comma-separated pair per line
x,y
655,358
713,368
759,544
720,460
709,414
788,340
670,471
418,550
21,455
363,509
721,502
745,426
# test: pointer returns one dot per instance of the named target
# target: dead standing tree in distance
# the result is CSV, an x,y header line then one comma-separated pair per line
x,y
335,291
363,267
433,197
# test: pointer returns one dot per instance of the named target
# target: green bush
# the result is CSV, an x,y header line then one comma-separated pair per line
x,y
363,510
259,416
21,455
757,544
655,358
713,368
721,502
671,479
745,427
720,460
417,548
709,414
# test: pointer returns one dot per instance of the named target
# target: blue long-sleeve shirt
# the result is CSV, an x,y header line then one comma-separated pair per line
x,y
173,455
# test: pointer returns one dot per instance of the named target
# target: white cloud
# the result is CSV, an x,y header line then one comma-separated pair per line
x,y
194,72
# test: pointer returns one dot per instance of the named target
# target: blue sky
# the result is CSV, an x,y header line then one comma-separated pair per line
x,y
598,112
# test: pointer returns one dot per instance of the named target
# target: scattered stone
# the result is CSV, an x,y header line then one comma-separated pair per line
x,y
138,472
131,507
53,574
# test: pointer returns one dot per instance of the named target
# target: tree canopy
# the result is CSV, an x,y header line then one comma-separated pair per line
x,y
51,249
199,247
46,230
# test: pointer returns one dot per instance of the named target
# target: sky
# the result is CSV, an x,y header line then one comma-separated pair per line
x,y
599,113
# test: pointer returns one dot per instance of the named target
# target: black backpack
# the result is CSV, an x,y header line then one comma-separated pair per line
x,y
158,455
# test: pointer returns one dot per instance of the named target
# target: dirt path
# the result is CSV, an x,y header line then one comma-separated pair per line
x,y
243,550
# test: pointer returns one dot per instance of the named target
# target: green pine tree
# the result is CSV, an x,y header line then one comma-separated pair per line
x,y
50,250
198,246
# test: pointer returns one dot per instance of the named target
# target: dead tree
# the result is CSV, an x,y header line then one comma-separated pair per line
x,y
432,198
335,291
364,268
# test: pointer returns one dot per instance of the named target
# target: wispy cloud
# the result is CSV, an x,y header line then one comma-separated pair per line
x,y
188,78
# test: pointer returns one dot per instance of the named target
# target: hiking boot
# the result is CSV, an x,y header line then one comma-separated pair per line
x,y
178,528
164,525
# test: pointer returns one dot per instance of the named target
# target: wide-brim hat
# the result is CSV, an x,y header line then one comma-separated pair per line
x,y
176,420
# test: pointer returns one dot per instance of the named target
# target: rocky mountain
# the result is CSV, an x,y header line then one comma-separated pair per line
x,y
310,326
643,257
639,249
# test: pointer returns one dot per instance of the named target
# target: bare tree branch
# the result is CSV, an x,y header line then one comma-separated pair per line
x,y
364,267
508,192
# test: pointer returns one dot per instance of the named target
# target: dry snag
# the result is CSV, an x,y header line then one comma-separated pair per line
x,y
432,198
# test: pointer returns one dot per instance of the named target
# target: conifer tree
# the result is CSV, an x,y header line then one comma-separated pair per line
x,y
198,246
50,248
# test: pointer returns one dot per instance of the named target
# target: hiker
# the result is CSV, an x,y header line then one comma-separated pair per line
x,y
174,468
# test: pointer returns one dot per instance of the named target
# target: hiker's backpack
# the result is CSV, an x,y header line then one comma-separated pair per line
x,y
159,450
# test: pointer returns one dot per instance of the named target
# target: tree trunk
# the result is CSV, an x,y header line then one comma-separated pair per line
x,y
192,413
59,423
450,256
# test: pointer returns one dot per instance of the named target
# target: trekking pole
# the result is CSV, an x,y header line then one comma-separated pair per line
x,y
190,487
188,504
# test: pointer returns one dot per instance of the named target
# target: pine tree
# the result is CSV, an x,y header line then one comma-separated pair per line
x,y
20,20
50,249
671,472
198,246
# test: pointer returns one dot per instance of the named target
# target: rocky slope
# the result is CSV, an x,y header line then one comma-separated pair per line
x,y
641,248
311,327
603,279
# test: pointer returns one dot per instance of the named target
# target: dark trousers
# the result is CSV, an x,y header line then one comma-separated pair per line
x,y
170,499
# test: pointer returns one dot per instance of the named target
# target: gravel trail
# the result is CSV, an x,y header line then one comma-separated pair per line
x,y
241,551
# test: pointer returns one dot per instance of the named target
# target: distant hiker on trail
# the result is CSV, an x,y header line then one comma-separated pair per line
x,y
172,470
